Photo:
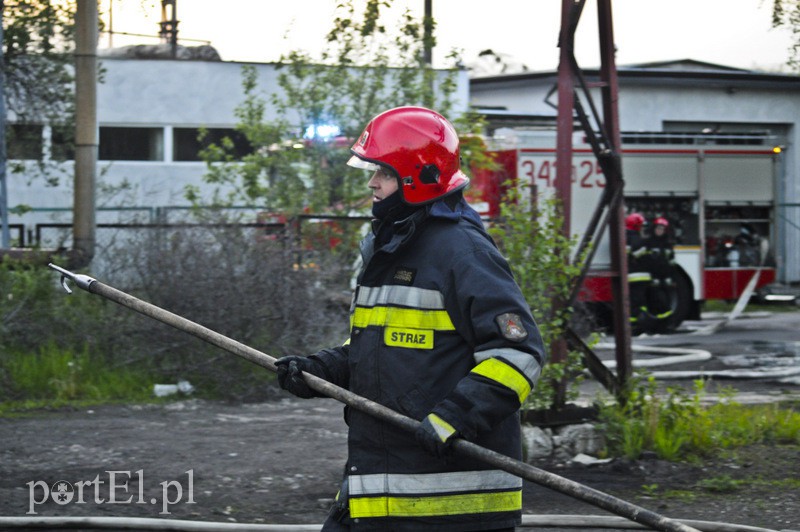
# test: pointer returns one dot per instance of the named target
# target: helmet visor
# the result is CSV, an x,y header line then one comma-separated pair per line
x,y
357,162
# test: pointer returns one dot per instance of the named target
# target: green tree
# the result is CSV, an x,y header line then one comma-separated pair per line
x,y
787,13
367,67
38,46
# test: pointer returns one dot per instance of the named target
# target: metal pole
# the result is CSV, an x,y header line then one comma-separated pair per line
x,y
427,53
616,229
83,209
563,184
427,42
111,23
462,447
5,237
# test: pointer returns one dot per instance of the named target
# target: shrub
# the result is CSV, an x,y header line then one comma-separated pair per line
x,y
677,426
258,291
539,255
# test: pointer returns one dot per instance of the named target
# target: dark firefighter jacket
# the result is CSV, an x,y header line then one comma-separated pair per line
x,y
660,256
439,325
637,256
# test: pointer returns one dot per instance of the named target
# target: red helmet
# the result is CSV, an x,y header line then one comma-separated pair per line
x,y
634,221
661,221
420,146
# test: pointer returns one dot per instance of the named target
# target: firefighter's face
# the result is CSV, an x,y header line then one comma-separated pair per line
x,y
659,230
382,185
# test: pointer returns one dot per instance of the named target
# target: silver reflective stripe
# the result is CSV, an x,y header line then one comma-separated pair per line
x,y
461,481
406,296
524,362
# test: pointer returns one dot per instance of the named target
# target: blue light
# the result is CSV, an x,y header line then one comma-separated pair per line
x,y
322,132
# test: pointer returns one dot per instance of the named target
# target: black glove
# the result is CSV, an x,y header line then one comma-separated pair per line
x,y
436,435
289,375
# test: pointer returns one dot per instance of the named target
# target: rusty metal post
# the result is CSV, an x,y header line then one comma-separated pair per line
x,y
565,120
610,91
606,144
563,182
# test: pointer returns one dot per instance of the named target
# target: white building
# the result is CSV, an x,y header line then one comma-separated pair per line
x,y
149,112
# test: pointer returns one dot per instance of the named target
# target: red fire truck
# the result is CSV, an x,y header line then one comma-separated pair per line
x,y
717,191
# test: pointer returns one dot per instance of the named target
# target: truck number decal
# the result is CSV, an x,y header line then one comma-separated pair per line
x,y
591,175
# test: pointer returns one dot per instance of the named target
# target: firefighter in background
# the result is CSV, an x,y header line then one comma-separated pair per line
x,y
440,332
638,276
659,261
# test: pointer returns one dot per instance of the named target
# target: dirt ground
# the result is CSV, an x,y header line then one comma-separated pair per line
x,y
280,461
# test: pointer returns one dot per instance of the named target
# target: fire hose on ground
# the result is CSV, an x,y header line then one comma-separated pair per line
x,y
526,471
577,522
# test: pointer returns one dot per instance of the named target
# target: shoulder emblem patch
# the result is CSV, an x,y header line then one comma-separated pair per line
x,y
511,327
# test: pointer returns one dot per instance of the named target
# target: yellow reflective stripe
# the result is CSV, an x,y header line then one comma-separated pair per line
x,y
437,320
499,371
443,429
471,503
524,362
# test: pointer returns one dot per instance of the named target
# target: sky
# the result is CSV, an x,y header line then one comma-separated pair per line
x,y
735,33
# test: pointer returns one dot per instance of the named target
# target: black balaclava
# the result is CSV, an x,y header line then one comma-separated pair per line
x,y
389,210
381,209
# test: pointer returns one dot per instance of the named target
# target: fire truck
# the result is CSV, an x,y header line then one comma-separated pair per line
x,y
717,191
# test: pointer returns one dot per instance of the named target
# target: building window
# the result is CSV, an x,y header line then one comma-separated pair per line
x,y
24,141
131,144
62,143
187,143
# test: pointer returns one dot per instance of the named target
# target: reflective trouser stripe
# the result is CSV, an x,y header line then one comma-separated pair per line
x,y
436,320
467,503
505,374
639,277
415,483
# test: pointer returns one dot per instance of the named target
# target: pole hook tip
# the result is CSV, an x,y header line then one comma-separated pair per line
x,y
83,281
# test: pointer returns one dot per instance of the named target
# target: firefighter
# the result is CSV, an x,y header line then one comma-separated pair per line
x,y
638,276
660,262
440,332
